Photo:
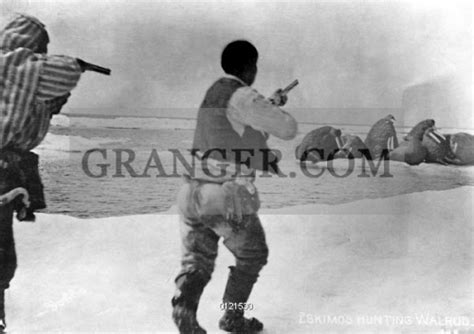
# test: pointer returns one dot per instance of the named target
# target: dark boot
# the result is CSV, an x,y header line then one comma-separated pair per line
x,y
238,289
3,325
186,301
235,322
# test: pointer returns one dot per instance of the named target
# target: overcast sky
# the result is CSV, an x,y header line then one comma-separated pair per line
x,y
349,54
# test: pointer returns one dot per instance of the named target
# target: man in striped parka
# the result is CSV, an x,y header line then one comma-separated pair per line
x,y
33,87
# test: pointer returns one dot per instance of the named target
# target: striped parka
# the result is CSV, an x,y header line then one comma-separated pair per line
x,y
33,85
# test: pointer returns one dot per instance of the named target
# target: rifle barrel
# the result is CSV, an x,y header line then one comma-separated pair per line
x,y
290,87
99,69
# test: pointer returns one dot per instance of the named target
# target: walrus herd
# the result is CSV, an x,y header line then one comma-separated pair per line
x,y
424,143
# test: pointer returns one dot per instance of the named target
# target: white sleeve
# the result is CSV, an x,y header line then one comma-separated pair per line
x,y
248,107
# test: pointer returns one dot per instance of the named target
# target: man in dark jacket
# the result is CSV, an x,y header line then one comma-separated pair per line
x,y
233,121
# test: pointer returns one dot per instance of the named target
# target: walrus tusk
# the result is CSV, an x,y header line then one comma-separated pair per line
x,y
390,143
455,147
433,136
439,134
12,194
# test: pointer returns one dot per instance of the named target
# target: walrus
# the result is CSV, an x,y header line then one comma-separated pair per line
x,y
438,147
419,129
462,146
352,145
412,152
325,139
382,136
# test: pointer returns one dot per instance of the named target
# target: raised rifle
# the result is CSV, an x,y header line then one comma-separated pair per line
x,y
280,93
289,87
85,66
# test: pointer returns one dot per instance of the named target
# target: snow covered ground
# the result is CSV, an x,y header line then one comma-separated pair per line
x,y
399,264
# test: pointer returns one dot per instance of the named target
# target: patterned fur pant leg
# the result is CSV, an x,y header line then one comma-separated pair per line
x,y
200,239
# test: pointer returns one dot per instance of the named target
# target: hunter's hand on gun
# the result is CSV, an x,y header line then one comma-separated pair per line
x,y
280,97
85,66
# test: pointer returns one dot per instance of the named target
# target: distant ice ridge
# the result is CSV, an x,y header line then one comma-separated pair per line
x,y
151,123
155,123
123,122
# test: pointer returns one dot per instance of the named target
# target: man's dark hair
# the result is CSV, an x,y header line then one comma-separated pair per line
x,y
238,56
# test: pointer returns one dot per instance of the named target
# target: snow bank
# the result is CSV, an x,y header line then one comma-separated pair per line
x,y
406,256
54,146
61,120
